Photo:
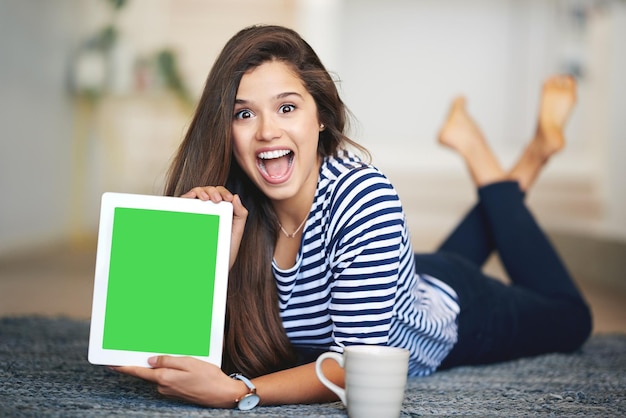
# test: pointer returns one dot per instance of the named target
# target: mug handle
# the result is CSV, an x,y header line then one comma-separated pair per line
x,y
320,375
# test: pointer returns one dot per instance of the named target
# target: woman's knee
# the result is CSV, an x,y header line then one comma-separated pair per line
x,y
579,325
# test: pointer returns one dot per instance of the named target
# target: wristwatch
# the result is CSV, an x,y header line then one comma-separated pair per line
x,y
250,399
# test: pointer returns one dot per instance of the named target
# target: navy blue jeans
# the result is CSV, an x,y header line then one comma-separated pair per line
x,y
540,311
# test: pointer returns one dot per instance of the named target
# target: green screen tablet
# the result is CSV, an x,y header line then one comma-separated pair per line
x,y
161,279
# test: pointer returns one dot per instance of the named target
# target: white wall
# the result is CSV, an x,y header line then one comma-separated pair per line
x,y
35,121
607,51
401,62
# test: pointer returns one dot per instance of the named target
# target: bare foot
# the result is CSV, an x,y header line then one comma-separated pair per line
x,y
558,97
462,134
459,131
557,101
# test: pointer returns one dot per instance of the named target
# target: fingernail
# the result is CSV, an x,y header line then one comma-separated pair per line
x,y
152,361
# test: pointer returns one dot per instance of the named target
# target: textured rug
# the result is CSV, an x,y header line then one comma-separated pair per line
x,y
44,372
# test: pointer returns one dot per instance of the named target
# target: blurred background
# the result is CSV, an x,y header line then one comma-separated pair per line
x,y
95,96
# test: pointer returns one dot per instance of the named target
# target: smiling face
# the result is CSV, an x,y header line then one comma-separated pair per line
x,y
275,132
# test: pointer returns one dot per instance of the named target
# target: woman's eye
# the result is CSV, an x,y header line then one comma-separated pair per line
x,y
243,114
287,108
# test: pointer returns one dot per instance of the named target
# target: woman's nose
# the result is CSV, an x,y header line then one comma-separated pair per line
x,y
268,129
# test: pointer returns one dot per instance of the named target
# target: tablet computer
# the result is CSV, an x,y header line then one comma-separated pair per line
x,y
160,280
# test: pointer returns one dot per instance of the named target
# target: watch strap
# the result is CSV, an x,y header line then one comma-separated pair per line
x,y
251,399
245,380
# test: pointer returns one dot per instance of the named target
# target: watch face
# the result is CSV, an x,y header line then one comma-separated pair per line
x,y
249,401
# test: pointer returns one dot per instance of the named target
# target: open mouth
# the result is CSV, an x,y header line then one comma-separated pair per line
x,y
275,165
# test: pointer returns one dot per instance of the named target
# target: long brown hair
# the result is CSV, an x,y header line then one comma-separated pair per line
x,y
255,340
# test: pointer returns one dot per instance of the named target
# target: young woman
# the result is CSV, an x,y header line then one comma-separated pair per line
x,y
321,256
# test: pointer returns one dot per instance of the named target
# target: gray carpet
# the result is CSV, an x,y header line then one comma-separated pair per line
x,y
44,372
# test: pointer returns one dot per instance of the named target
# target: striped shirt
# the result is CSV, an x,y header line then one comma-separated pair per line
x,y
354,279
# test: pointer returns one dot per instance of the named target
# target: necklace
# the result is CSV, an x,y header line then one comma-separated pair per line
x,y
293,235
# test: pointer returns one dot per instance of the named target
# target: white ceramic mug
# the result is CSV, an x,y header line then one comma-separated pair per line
x,y
375,379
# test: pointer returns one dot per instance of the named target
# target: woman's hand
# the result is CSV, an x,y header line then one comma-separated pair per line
x,y
218,194
205,384
189,379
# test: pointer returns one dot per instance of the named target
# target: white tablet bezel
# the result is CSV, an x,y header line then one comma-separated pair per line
x,y
97,354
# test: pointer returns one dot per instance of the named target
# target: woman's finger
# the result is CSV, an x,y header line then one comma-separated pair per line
x,y
213,193
144,373
239,210
171,362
